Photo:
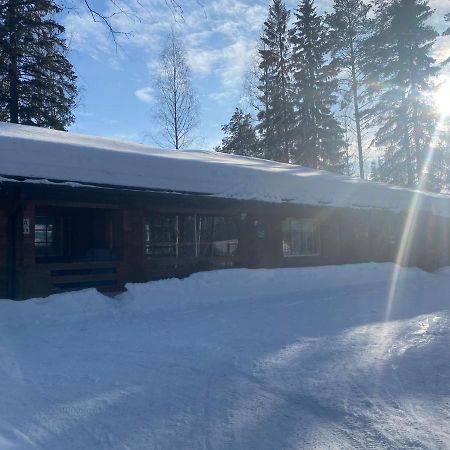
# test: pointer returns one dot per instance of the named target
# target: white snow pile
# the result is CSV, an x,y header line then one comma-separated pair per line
x,y
42,155
235,359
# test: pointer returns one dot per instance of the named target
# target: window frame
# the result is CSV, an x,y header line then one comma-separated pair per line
x,y
48,249
64,219
316,231
197,242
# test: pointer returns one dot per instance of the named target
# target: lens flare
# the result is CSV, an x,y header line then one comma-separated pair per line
x,y
442,102
442,98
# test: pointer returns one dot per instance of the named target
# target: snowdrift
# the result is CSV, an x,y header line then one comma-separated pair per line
x,y
307,358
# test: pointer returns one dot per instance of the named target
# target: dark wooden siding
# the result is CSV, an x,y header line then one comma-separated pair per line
x,y
4,251
346,236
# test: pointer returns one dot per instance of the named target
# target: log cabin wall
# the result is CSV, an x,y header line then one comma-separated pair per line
x,y
435,235
336,236
4,272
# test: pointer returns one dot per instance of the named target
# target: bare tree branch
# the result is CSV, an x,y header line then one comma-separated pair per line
x,y
97,16
174,6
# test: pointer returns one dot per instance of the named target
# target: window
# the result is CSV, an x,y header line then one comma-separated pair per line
x,y
190,235
77,234
300,237
47,236
170,235
218,235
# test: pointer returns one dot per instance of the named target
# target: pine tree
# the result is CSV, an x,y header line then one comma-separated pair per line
x,y
348,155
374,176
402,71
387,169
275,115
349,29
240,136
438,178
37,81
447,33
318,135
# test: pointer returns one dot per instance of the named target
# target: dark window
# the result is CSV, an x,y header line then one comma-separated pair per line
x,y
218,235
161,236
170,235
191,235
47,236
77,234
300,237
186,236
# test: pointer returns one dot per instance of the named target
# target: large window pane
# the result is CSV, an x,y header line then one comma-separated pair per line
x,y
300,237
205,235
161,235
218,235
47,236
186,236
191,235
77,234
170,235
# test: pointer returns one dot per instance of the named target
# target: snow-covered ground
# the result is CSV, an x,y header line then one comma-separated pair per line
x,y
237,359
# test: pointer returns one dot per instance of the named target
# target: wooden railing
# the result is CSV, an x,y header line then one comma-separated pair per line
x,y
59,277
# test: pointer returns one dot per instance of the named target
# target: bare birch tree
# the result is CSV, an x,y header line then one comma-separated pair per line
x,y
178,107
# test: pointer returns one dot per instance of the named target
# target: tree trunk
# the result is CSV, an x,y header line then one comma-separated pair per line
x,y
357,114
407,148
13,72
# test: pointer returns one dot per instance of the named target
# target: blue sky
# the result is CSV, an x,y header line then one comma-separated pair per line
x,y
117,84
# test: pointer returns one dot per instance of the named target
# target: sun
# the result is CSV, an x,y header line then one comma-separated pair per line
x,y
442,97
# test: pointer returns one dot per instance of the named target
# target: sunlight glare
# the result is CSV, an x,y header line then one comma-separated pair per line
x,y
442,101
442,97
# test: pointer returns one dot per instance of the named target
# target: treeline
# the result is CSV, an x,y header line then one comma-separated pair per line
x,y
361,75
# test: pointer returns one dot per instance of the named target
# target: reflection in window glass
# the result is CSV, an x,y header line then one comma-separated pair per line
x,y
186,235
218,235
161,235
300,237
47,236
191,235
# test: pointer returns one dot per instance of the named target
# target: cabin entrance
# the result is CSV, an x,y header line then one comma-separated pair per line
x,y
77,235
78,247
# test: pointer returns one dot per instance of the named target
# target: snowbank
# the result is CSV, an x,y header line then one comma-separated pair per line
x,y
42,155
252,359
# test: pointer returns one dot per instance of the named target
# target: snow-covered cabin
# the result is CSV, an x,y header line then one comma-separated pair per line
x,y
79,211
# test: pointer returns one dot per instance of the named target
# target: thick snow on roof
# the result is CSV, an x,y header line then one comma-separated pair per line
x,y
43,154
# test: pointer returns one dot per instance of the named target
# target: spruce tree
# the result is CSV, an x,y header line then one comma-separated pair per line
x,y
349,28
348,155
37,82
438,179
275,115
374,175
402,72
318,135
387,169
240,136
447,33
